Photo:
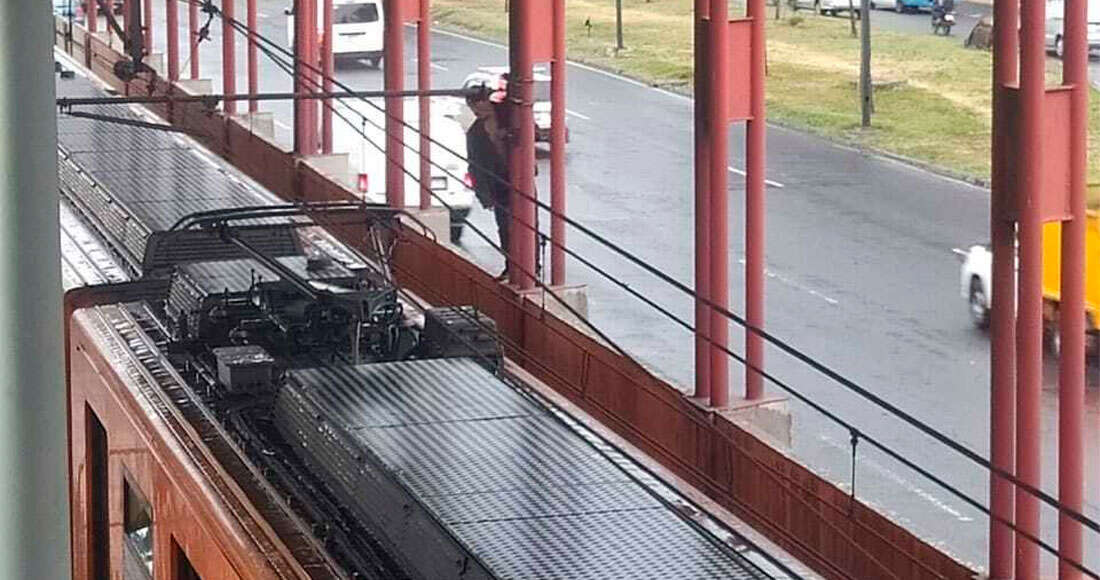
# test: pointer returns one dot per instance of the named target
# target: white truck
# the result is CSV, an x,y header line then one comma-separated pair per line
x,y
357,28
367,162
975,278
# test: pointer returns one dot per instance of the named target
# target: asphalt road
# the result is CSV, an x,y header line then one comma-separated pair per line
x,y
860,276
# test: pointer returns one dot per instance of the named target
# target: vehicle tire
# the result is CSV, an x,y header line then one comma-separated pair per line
x,y
1059,50
456,232
1052,336
374,62
979,307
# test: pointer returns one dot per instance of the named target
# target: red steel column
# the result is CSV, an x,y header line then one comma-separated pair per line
x,y
424,83
702,205
394,57
1071,370
1002,404
755,210
557,148
193,36
147,25
305,120
125,14
253,58
328,65
91,16
1029,324
521,93
229,56
172,36
718,67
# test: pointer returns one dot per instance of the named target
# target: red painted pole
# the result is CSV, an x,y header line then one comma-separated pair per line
x,y
394,58
147,25
91,16
172,36
424,82
702,205
229,57
557,148
521,93
126,12
305,127
253,57
193,36
718,103
1002,404
328,65
755,211
1029,324
1071,370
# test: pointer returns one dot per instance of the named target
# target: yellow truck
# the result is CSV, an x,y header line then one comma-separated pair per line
x,y
976,279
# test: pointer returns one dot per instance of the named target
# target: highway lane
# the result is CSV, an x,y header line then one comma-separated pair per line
x,y
861,275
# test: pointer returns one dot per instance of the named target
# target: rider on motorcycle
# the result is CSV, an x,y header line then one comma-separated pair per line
x,y
941,7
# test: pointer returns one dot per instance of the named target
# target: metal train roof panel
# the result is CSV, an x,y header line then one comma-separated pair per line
x,y
524,493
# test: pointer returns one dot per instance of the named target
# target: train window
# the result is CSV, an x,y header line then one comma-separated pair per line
x,y
99,530
181,567
138,532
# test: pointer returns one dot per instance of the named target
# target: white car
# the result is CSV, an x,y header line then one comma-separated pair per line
x,y
1056,21
490,77
831,7
367,162
357,28
976,282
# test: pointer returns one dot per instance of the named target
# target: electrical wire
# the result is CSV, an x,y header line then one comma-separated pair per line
x,y
779,343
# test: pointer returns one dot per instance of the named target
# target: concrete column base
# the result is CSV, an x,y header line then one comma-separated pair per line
x,y
158,62
437,220
196,86
768,418
333,166
575,296
262,124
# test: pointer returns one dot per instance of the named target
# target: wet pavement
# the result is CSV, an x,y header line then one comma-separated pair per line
x,y
860,276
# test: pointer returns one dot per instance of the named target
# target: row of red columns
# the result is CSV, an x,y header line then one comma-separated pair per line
x,y
1017,330
229,79
712,118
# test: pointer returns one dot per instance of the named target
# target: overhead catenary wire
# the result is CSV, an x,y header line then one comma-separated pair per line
x,y
775,341
603,336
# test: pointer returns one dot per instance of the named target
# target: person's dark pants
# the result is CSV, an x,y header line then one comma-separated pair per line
x,y
504,217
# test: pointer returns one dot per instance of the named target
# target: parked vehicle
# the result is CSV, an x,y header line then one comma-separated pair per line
x,y
357,28
491,77
942,22
368,163
1056,22
976,281
902,6
830,7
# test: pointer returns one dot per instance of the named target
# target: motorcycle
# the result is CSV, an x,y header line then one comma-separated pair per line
x,y
942,21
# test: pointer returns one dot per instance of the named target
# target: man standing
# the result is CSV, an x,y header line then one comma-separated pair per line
x,y
486,146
